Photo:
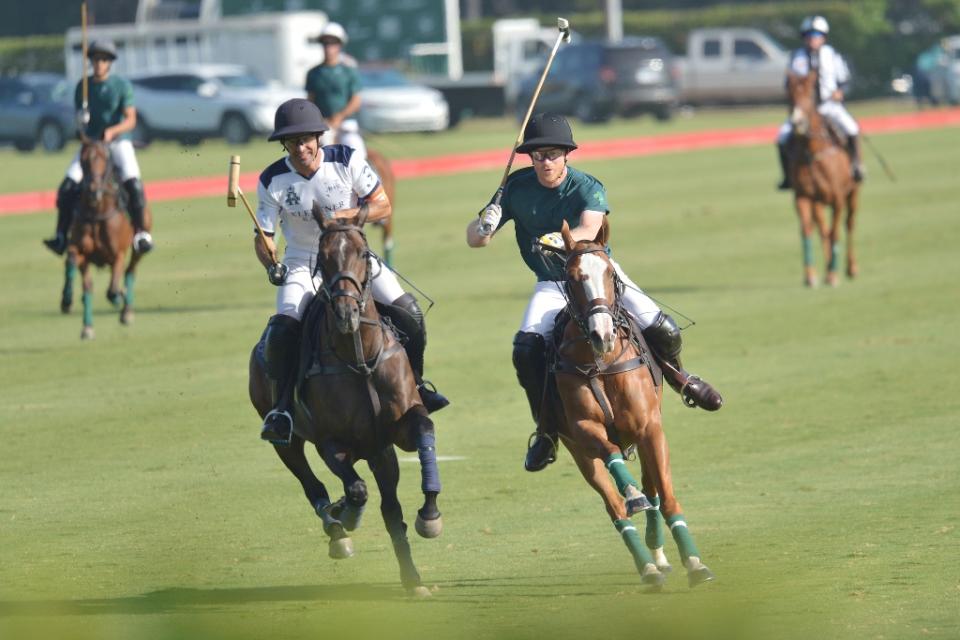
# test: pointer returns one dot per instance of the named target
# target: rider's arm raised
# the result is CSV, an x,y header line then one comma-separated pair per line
x,y
589,227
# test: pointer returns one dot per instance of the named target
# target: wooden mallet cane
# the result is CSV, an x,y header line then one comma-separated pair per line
x,y
234,191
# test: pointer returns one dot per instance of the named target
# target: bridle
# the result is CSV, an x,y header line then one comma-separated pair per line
x,y
596,305
102,185
330,292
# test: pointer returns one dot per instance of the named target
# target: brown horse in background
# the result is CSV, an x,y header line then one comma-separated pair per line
x,y
358,401
821,174
382,167
101,235
608,394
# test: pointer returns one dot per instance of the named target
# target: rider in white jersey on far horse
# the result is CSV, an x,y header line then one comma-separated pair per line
x,y
334,86
834,80
341,183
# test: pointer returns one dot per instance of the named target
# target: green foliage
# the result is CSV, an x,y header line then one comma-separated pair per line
x,y
36,53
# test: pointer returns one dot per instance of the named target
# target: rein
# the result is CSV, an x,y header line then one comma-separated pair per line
x,y
103,185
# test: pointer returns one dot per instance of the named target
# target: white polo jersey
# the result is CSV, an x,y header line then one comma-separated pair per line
x,y
833,70
342,181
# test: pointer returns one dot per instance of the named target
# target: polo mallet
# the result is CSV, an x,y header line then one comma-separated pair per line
x,y
83,47
883,162
564,36
233,191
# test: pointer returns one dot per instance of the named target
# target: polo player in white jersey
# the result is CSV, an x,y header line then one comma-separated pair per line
x,y
341,183
834,80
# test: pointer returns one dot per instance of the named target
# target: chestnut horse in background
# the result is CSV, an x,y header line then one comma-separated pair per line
x,y
607,402
821,175
381,166
101,235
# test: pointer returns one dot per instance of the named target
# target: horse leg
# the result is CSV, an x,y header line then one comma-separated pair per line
x,y
387,473
595,473
804,208
129,279
114,291
852,202
656,457
836,208
346,512
654,532
294,459
69,271
415,431
87,333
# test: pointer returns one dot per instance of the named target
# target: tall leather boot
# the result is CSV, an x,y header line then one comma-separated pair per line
x,y
281,352
530,362
663,337
67,196
406,316
784,154
136,203
853,148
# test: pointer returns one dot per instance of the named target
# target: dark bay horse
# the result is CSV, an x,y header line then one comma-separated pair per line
x,y
821,175
609,390
358,401
101,235
380,164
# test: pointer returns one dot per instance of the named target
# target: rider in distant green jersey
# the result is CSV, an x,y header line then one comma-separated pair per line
x,y
334,86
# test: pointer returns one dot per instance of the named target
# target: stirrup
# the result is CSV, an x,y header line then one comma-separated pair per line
x,y
551,456
685,394
268,433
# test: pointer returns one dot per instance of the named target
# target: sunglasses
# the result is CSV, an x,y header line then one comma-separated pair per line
x,y
548,154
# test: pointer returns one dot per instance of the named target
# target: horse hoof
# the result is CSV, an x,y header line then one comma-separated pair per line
x,y
653,579
831,280
700,575
65,307
126,316
428,528
87,333
852,272
637,504
341,548
419,592
660,559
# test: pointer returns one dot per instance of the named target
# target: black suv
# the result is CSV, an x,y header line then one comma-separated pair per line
x,y
595,80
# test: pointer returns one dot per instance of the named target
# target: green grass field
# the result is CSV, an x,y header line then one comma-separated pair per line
x,y
138,501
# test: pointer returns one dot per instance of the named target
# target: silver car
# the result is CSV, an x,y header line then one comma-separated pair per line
x,y
391,103
205,101
36,108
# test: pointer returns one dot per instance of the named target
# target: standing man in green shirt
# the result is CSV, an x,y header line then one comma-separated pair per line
x,y
110,116
539,199
334,86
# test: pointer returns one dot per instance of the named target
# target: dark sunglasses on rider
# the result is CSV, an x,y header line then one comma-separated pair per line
x,y
547,154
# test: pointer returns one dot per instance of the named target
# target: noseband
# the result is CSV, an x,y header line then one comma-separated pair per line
x,y
596,305
363,290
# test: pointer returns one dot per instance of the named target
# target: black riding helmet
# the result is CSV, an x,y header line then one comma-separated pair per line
x,y
297,117
102,47
547,130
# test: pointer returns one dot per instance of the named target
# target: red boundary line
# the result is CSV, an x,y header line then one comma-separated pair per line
x,y
163,190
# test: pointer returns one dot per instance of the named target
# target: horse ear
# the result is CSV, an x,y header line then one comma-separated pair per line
x,y
318,215
604,233
567,237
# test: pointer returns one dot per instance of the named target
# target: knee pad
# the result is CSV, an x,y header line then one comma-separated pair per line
x,y
529,357
281,345
663,336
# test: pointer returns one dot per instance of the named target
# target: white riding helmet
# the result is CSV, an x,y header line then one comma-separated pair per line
x,y
814,23
334,30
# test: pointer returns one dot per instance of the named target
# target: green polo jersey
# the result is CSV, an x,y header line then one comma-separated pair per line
x,y
107,102
536,210
332,87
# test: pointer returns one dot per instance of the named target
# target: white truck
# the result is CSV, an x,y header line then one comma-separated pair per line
x,y
730,65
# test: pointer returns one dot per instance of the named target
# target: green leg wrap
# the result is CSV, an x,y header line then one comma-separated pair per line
x,y
834,256
69,272
631,538
807,251
654,536
621,475
128,280
681,535
87,308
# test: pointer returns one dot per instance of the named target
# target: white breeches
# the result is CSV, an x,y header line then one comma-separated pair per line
x,y
548,300
300,286
124,159
833,111
348,134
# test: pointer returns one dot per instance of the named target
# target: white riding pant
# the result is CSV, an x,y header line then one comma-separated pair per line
x,y
124,159
300,286
548,300
348,134
831,110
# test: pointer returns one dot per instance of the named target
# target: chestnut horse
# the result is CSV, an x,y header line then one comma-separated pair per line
x,y
609,390
381,166
821,175
358,401
101,235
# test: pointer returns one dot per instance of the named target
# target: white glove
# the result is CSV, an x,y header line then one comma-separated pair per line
x,y
553,240
83,119
489,220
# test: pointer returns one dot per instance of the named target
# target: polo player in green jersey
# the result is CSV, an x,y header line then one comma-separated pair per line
x,y
110,116
334,86
539,199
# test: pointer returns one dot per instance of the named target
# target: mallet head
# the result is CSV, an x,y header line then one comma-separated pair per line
x,y
564,28
233,181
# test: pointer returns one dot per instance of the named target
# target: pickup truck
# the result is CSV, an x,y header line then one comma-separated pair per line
x,y
730,65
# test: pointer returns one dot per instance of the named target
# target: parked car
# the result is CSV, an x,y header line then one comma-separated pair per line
x,y
205,101
36,108
392,103
596,80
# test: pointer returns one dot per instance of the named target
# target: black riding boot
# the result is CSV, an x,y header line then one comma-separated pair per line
x,y
67,196
853,148
136,203
530,361
663,337
406,316
783,152
281,353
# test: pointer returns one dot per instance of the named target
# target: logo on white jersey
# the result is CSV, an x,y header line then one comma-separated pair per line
x,y
291,198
